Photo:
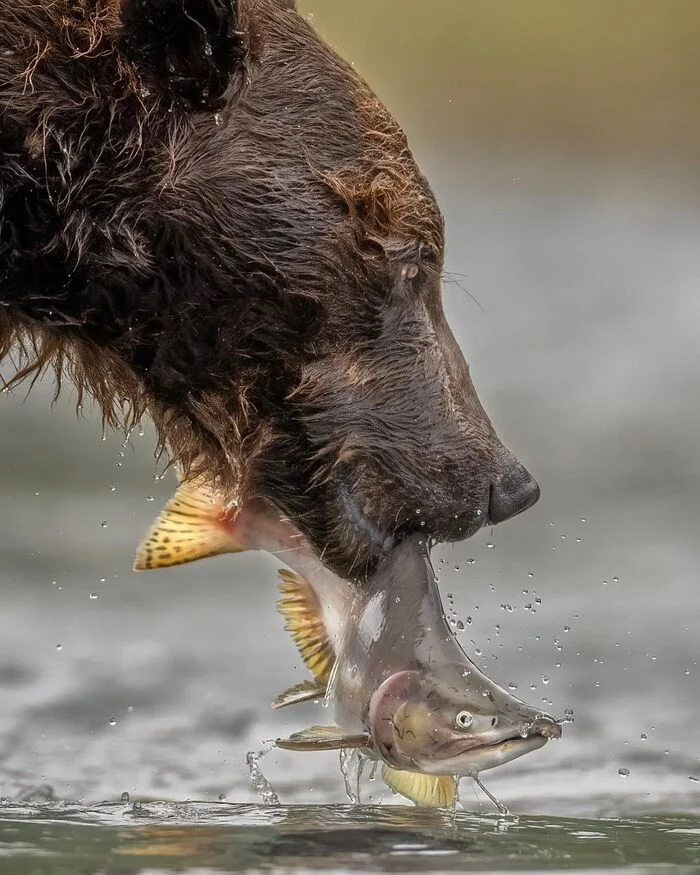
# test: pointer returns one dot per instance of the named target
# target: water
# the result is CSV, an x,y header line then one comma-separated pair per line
x,y
218,838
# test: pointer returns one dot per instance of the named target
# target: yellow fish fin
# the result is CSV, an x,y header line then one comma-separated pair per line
x,y
300,607
436,791
323,738
192,525
306,691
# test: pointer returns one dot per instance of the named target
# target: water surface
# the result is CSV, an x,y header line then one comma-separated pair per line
x,y
205,838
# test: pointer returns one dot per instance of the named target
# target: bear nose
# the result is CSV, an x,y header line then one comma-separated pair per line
x,y
512,493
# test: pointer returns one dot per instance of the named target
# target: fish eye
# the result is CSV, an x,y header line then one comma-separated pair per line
x,y
463,720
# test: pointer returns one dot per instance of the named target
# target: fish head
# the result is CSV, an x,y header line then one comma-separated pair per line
x,y
418,722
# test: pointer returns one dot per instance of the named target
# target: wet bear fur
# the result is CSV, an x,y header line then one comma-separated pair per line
x,y
208,218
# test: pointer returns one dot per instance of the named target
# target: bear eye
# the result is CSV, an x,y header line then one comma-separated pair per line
x,y
464,720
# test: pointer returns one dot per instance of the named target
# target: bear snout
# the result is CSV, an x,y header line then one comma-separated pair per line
x,y
512,492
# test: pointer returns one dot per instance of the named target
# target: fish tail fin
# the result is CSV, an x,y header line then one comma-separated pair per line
x,y
192,525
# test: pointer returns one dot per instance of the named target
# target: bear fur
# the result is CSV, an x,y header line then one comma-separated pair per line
x,y
208,218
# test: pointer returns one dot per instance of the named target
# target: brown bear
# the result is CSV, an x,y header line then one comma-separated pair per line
x,y
209,218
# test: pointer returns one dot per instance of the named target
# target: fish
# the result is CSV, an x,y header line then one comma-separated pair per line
x,y
402,689
382,656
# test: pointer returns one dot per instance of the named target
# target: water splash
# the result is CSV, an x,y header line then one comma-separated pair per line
x,y
352,764
499,805
262,786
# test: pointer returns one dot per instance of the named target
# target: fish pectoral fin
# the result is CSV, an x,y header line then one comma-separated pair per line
x,y
191,526
300,607
323,738
306,691
436,791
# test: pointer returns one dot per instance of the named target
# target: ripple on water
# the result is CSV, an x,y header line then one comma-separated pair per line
x,y
172,837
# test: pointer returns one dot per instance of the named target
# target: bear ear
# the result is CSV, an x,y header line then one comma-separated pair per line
x,y
189,49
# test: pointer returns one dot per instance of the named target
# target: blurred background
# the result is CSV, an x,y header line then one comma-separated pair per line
x,y
562,140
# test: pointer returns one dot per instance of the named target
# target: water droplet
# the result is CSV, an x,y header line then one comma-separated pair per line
x,y
59,647
512,686
93,595
490,546
530,574
207,49
567,628
694,778
125,798
104,524
112,721
460,626
624,773
112,488
545,678
644,736
222,797
397,599
616,579
150,498
136,806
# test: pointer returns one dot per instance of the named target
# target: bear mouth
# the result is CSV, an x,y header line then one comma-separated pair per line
x,y
376,541
364,528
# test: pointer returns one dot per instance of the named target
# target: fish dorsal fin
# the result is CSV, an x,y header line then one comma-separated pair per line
x,y
435,791
191,526
323,738
306,691
301,609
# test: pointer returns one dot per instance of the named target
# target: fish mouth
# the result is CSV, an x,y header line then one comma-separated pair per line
x,y
487,754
